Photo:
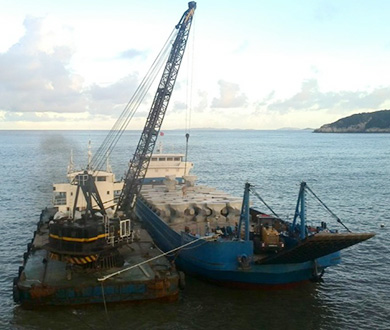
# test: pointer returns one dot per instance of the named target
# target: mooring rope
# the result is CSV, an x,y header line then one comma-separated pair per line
x,y
263,201
104,302
80,319
327,208
102,279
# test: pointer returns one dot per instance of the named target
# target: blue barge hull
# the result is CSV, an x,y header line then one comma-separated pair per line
x,y
221,260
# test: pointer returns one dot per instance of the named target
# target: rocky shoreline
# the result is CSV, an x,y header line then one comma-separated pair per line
x,y
367,122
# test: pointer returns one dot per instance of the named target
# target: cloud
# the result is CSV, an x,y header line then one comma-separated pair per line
x,y
325,11
34,75
264,101
242,47
35,117
132,53
310,98
229,96
199,103
179,106
36,82
114,96
203,101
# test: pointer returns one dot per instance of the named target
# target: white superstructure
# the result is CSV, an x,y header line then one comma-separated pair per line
x,y
64,193
161,165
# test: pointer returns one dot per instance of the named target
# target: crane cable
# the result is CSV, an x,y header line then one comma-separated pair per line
x,y
190,81
129,110
252,189
127,114
190,84
327,208
202,238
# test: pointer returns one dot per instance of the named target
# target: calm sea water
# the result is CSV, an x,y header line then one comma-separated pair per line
x,y
349,172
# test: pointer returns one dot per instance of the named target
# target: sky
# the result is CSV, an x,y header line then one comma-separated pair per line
x,y
248,64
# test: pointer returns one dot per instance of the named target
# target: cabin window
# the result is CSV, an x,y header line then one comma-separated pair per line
x,y
108,192
60,198
101,178
169,159
177,159
154,159
117,193
162,159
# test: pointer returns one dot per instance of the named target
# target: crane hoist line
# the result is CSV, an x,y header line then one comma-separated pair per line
x,y
140,162
74,247
101,156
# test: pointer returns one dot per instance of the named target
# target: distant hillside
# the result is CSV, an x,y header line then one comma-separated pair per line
x,y
367,122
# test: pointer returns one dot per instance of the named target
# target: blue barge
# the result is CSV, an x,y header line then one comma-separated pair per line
x,y
246,248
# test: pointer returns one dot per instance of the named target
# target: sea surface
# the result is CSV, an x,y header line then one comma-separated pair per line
x,y
349,172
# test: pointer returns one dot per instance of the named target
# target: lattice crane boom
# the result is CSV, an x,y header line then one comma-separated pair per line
x,y
140,162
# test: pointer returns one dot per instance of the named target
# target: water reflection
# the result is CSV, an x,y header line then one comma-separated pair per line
x,y
354,184
201,306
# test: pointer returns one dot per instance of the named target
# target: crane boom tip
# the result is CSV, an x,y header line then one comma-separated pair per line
x,y
192,4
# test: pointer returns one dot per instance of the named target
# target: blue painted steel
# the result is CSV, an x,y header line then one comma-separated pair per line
x,y
300,211
221,260
244,216
90,294
155,180
303,211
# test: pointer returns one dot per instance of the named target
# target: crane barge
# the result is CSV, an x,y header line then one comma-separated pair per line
x,y
82,239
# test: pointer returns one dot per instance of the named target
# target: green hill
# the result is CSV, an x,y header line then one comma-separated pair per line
x,y
367,122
